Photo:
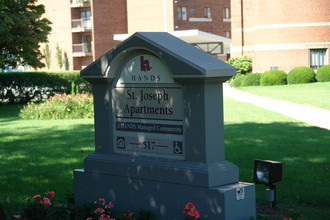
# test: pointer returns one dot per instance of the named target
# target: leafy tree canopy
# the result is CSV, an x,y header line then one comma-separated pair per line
x,y
22,29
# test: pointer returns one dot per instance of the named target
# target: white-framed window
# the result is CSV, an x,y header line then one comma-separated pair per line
x,y
226,13
317,58
182,13
207,13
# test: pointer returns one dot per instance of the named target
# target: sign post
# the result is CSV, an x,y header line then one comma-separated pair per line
x,y
159,137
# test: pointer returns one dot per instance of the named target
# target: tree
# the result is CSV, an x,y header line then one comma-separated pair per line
x,y
22,29
59,56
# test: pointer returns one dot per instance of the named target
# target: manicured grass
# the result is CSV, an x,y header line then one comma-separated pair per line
x,y
313,94
254,133
39,155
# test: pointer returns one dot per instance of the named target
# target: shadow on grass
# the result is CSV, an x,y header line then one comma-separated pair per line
x,y
9,112
38,156
304,151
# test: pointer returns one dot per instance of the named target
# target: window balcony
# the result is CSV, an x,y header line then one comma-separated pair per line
x,y
82,50
81,25
80,3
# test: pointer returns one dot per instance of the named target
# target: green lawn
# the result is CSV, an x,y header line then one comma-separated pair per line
x,y
254,133
313,94
37,156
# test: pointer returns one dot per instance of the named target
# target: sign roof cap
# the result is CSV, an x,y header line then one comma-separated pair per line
x,y
183,59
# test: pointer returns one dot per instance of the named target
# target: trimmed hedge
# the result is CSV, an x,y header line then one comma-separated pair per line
x,y
323,74
300,75
21,87
273,77
237,81
252,79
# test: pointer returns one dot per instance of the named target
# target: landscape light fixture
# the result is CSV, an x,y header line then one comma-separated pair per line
x,y
268,172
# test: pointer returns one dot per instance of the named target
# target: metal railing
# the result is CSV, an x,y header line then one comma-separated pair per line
x,y
80,1
83,48
85,24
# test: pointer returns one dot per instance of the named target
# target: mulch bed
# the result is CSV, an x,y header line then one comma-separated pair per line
x,y
273,213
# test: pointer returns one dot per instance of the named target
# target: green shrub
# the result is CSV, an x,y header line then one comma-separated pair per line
x,y
23,87
252,79
273,77
242,64
323,74
60,106
237,81
300,75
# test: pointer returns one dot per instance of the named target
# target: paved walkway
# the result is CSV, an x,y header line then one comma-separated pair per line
x,y
311,115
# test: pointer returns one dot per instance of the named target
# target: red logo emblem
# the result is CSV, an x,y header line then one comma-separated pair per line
x,y
145,65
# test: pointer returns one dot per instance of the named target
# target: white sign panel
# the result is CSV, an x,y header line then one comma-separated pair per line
x,y
148,110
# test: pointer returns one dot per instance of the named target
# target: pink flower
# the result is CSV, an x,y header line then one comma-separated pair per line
x,y
90,218
37,197
109,206
104,217
100,201
99,210
46,201
51,194
194,213
288,219
128,214
190,206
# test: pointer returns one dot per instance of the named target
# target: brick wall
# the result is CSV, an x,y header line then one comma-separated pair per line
x,y
59,14
195,9
279,30
109,18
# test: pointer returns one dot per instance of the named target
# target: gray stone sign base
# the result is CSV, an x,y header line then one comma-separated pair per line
x,y
227,202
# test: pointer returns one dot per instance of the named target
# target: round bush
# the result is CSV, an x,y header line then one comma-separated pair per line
x,y
252,79
237,81
323,74
273,77
300,75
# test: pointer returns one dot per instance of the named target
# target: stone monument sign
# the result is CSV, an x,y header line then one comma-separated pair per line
x,y
159,136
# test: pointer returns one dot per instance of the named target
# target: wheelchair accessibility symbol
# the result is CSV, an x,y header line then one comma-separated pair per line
x,y
177,147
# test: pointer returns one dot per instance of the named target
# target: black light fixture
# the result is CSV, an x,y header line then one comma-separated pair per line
x,y
268,172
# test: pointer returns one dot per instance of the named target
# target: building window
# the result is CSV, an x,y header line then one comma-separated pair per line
x,y
182,13
317,58
226,13
86,41
227,34
207,12
85,16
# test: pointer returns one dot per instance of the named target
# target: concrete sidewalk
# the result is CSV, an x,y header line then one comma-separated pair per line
x,y
311,115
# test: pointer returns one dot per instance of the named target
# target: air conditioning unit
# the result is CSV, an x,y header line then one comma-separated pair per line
x,y
273,67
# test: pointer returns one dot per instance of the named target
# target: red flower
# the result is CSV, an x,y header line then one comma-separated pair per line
x,y
109,206
100,201
37,197
190,210
190,206
194,214
51,194
104,217
99,210
46,201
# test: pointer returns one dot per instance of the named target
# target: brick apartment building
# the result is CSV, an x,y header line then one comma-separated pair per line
x,y
281,34
86,29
